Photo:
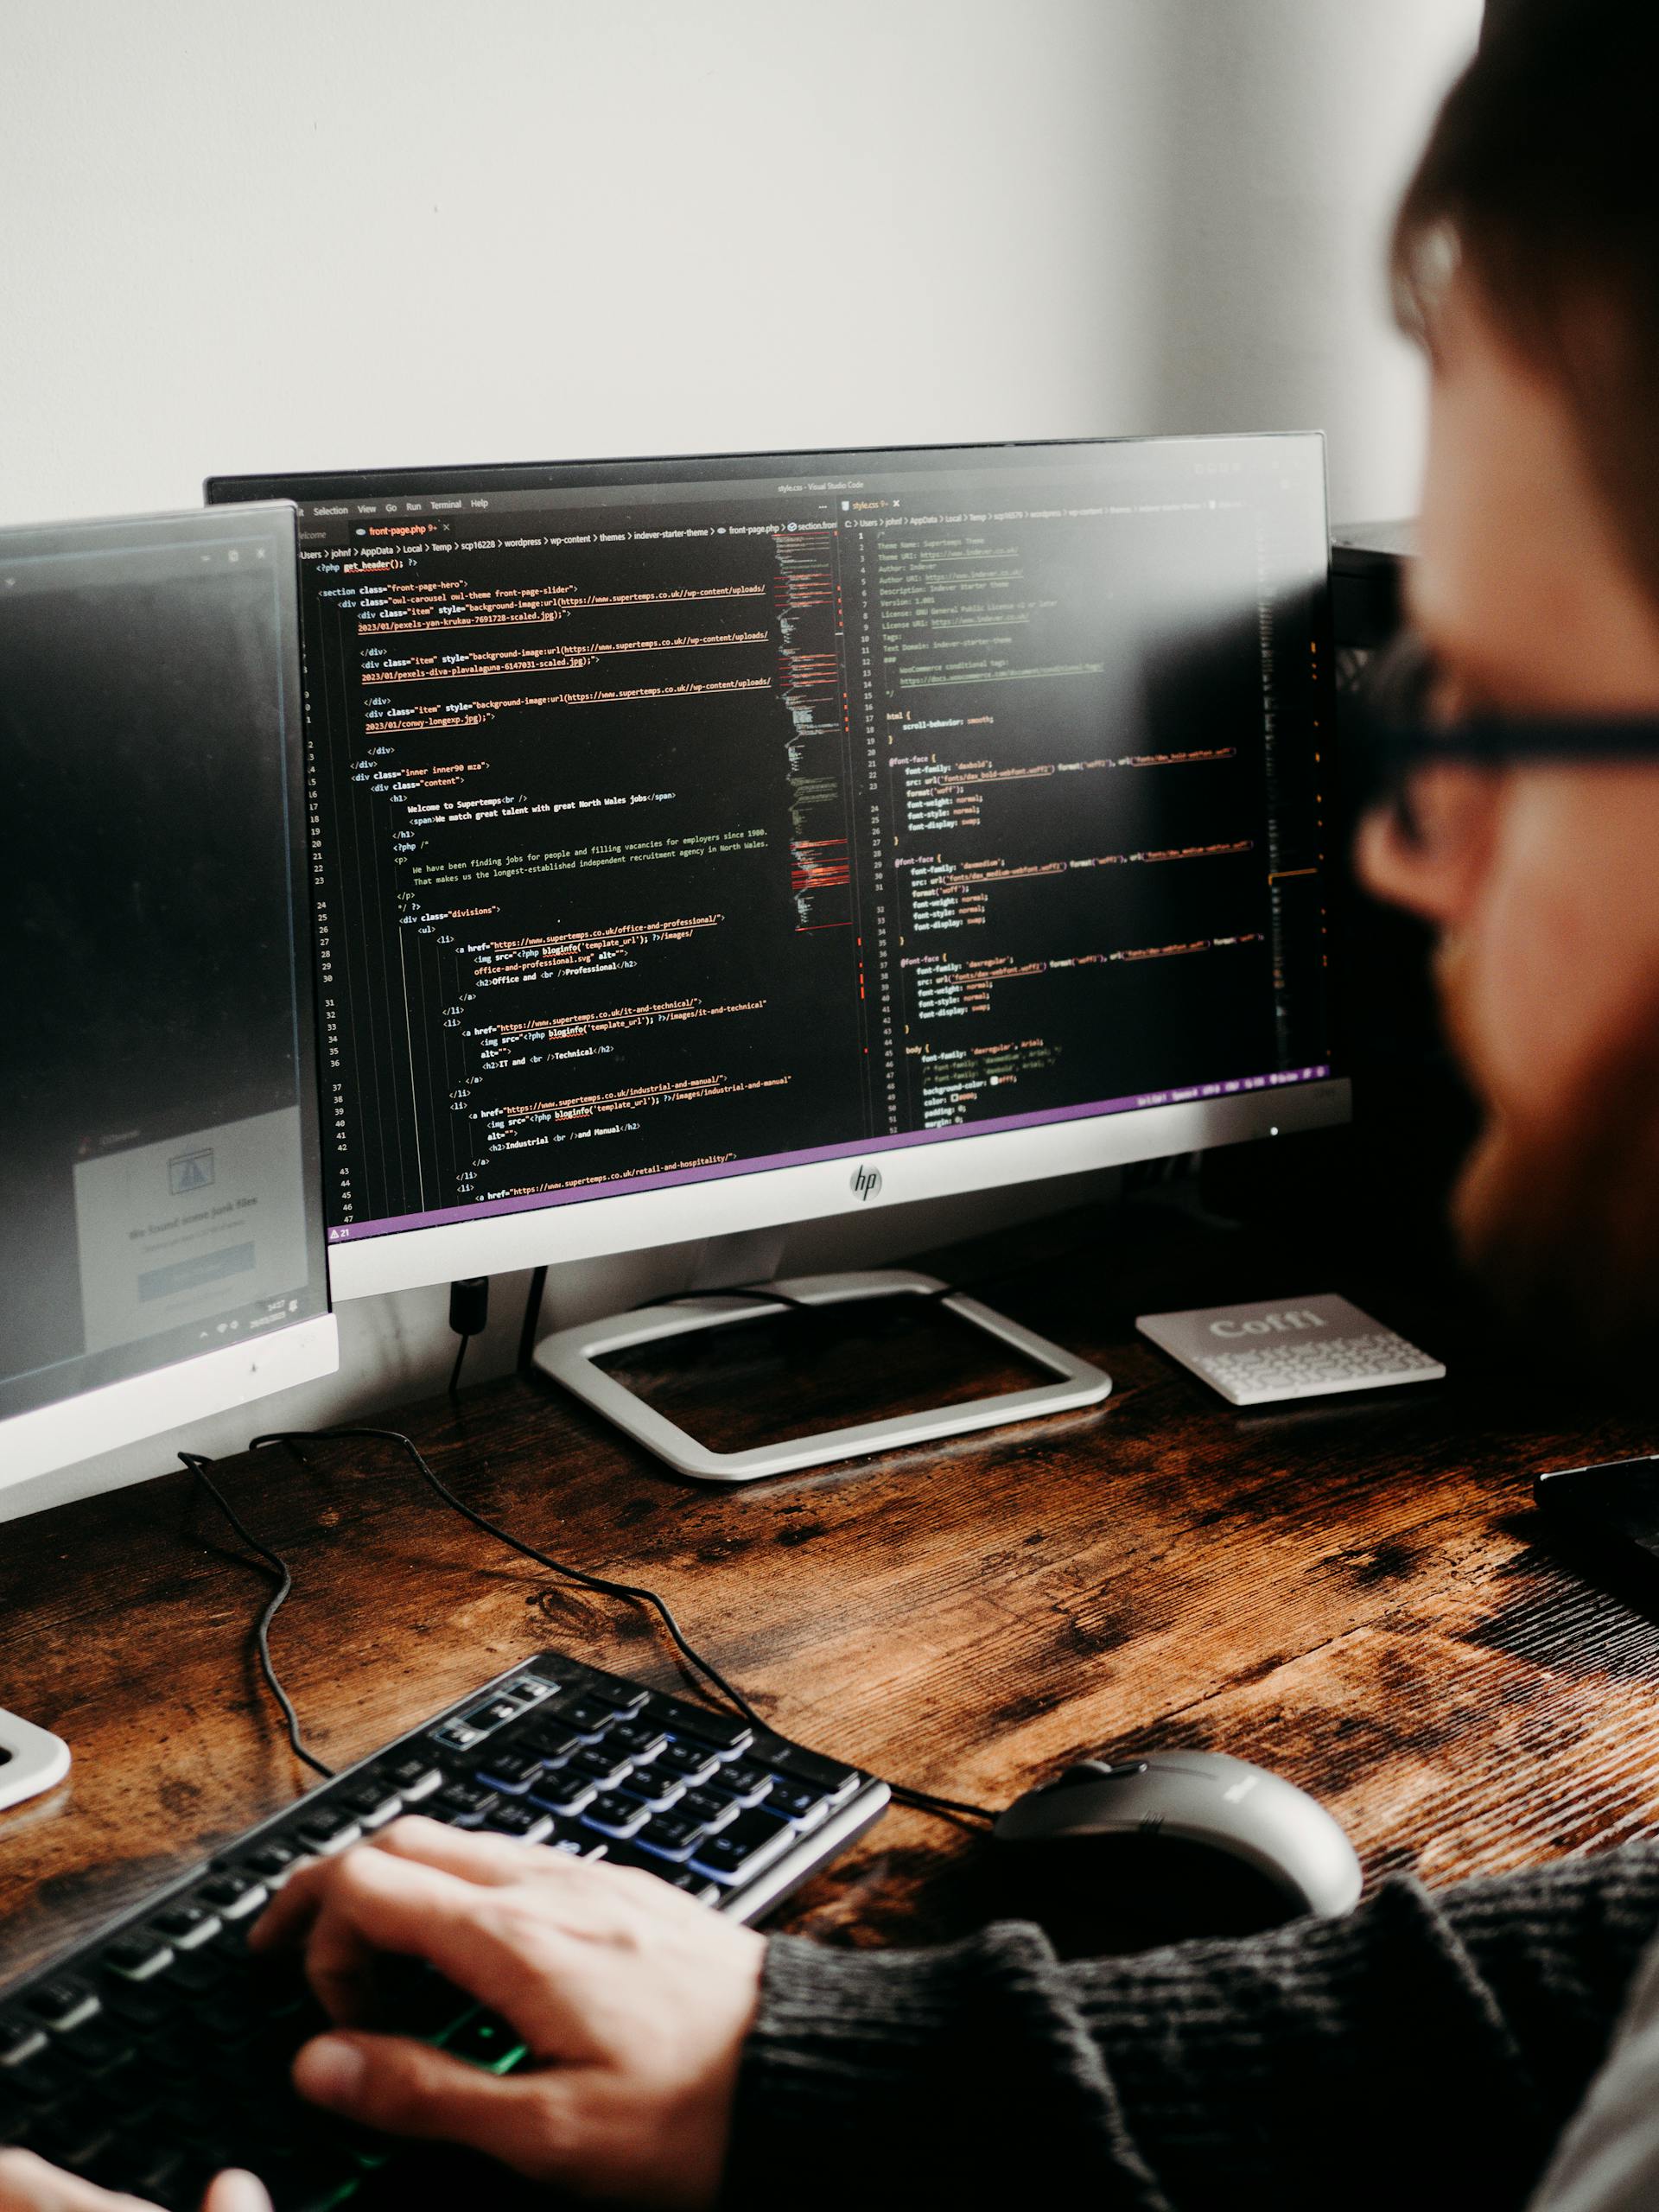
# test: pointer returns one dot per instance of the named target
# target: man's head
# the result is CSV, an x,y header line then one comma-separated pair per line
x,y
1527,257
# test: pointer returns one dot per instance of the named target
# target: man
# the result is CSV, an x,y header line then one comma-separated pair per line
x,y
1429,2049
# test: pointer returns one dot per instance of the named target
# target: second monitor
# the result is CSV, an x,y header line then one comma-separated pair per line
x,y
704,845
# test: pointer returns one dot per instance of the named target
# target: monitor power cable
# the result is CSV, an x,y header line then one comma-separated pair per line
x,y
528,1326
951,1808
469,1310
605,1587
199,1464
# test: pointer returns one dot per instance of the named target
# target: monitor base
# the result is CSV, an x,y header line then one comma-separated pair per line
x,y
31,1759
569,1356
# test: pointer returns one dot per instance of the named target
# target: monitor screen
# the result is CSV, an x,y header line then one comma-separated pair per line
x,y
684,820
159,1161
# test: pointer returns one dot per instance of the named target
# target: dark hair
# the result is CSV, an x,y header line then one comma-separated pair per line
x,y
1539,184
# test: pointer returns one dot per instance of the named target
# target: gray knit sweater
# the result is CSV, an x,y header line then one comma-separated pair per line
x,y
1425,2052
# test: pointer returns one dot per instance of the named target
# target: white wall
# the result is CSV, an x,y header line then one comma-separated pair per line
x,y
344,232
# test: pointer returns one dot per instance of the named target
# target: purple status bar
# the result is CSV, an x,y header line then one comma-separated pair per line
x,y
483,1209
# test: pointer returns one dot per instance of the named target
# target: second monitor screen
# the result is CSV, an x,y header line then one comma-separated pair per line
x,y
677,819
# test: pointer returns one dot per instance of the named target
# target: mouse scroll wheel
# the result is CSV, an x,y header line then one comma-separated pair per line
x,y
1099,1770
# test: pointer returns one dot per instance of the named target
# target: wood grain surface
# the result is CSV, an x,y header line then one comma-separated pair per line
x,y
1350,1592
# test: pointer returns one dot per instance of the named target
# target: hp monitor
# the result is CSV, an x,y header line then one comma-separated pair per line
x,y
704,845
160,1174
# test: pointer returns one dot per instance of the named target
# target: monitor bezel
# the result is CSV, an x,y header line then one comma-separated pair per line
x,y
740,1199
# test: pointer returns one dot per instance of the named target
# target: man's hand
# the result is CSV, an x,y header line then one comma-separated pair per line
x,y
28,2184
632,2000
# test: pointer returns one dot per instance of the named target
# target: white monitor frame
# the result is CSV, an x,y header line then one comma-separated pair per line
x,y
49,1437
746,1197
773,1198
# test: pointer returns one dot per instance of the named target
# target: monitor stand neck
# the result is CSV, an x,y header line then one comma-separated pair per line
x,y
754,1256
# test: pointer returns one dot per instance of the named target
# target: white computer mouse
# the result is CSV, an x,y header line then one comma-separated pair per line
x,y
31,1759
1210,1809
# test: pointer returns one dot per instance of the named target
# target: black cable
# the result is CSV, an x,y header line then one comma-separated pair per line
x,y
769,1294
198,1465
946,1809
532,1315
454,1372
921,1800
607,1588
469,1314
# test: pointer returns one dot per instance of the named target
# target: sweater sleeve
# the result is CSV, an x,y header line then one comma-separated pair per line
x,y
1426,2051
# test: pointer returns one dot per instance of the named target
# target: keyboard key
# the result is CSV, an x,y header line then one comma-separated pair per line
x,y
524,1823
486,2040
99,2047
495,1714
198,1971
801,1801
747,1783
19,2039
695,1884
834,1781
630,1854
411,1777
62,2005
138,1956
670,1834
16,2121
640,1739
614,1815
621,1697
587,1716
551,1744
369,1804
43,2081
73,2139
722,1729
693,1763
578,1844
464,1804
562,1793
155,2167
186,1927
510,1770
142,2004
233,1897
273,1862
169,2061
600,1765
749,1843
709,1808
226,2014
323,1832
658,1791
676,1875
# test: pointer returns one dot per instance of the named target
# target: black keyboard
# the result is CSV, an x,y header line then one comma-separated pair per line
x,y
151,2056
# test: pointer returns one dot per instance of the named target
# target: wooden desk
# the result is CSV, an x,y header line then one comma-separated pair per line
x,y
1345,1592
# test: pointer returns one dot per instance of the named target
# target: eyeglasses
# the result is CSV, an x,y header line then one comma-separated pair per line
x,y
1399,737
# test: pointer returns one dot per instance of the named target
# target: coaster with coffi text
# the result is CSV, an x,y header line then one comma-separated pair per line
x,y
1288,1348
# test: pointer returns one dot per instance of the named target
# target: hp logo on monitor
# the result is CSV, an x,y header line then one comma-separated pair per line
x,y
865,1182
